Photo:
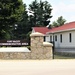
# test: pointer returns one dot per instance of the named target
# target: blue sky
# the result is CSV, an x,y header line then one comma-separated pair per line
x,y
65,8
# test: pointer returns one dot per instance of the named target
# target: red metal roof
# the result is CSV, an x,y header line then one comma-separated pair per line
x,y
65,27
44,30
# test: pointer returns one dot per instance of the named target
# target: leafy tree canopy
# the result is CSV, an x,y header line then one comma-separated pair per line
x,y
60,21
40,13
10,13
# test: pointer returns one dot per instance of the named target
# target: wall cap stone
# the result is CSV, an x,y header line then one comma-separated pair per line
x,y
36,34
47,44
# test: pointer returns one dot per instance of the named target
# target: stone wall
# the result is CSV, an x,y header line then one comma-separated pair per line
x,y
39,50
15,55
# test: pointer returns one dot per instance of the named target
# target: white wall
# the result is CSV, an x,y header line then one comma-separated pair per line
x,y
33,31
65,39
48,37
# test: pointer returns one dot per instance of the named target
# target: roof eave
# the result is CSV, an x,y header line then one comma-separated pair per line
x,y
60,31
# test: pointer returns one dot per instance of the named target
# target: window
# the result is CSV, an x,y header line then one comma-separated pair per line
x,y
50,38
61,38
44,38
70,37
55,37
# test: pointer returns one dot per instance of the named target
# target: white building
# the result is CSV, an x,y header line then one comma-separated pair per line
x,y
62,36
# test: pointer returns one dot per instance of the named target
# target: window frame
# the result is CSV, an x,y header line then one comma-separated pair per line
x,y
61,38
55,37
70,37
50,38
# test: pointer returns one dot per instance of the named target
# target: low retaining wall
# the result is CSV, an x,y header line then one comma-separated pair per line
x,y
14,55
39,50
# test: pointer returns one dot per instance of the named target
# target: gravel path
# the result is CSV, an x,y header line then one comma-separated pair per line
x,y
37,67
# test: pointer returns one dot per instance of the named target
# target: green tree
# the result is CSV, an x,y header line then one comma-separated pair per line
x,y
40,13
23,27
10,14
59,22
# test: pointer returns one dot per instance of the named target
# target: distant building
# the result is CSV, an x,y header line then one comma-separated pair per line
x,y
62,36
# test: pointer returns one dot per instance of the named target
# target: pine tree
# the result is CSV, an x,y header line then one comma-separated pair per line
x,y
10,14
40,13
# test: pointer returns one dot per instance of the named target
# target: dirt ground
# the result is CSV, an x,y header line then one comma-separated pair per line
x,y
37,67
